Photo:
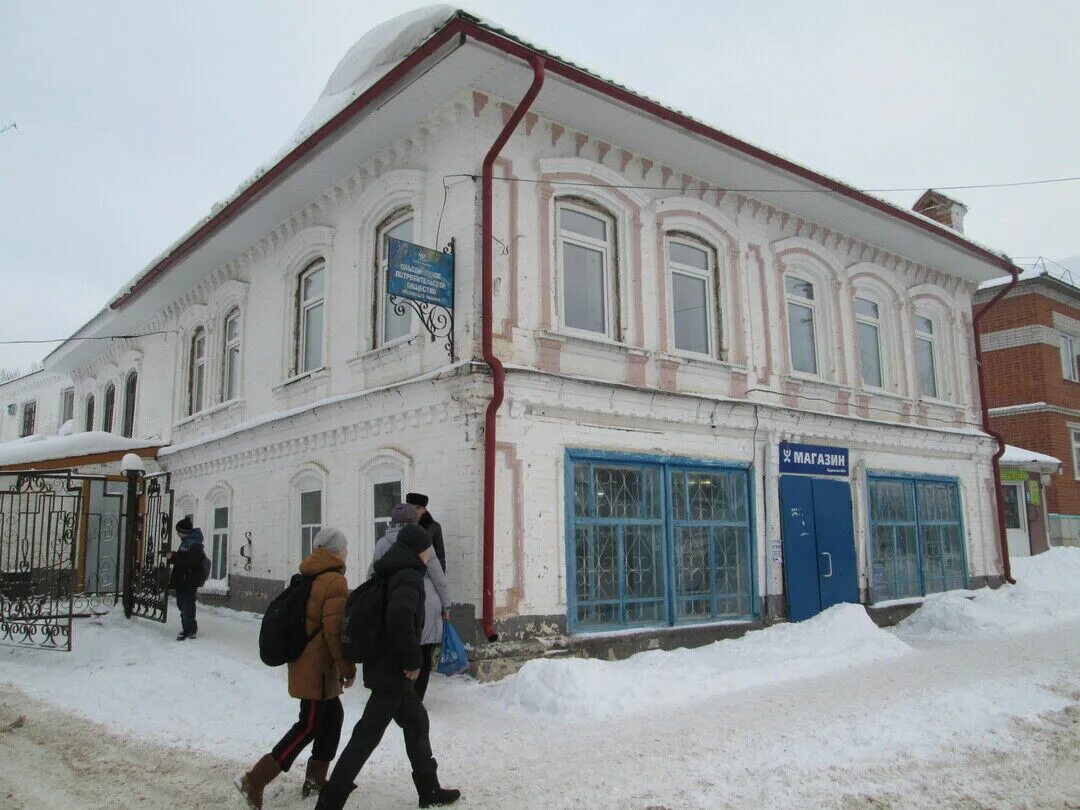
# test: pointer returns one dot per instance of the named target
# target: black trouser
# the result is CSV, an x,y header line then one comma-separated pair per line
x,y
400,704
320,720
185,603
426,652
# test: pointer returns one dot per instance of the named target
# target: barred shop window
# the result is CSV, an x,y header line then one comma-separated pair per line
x,y
802,324
131,386
586,254
230,360
29,417
197,371
310,317
390,326
694,295
110,407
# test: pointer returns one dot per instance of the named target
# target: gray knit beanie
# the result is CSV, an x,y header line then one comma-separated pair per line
x,y
330,539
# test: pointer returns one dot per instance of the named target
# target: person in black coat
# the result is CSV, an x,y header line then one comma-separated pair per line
x,y
429,524
390,676
186,564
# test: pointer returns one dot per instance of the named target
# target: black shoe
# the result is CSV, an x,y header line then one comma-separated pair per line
x,y
430,793
333,796
193,635
181,636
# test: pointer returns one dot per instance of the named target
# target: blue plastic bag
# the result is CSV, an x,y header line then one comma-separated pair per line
x,y
453,659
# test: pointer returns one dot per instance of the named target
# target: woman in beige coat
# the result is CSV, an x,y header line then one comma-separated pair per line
x,y
316,678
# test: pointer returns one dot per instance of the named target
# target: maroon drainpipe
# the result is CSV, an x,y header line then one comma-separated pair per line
x,y
498,373
1006,568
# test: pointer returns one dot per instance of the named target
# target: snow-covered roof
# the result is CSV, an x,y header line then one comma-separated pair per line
x,y
1018,457
1066,271
32,451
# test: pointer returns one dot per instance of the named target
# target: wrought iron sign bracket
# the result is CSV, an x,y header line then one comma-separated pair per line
x,y
247,545
437,320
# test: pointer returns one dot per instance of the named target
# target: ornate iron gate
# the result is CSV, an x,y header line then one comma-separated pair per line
x,y
76,545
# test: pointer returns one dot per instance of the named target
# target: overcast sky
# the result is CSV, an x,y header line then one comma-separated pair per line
x,y
133,117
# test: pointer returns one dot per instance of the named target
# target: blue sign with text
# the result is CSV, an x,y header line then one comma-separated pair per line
x,y
813,459
420,274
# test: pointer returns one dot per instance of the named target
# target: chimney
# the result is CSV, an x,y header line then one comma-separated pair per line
x,y
938,207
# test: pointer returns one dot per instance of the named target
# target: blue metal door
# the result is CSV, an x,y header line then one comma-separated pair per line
x,y
835,533
800,547
819,544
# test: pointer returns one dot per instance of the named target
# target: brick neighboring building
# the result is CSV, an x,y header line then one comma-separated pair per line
x,y
1030,343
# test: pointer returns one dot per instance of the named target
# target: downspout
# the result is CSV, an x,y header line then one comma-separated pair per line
x,y
498,373
1006,567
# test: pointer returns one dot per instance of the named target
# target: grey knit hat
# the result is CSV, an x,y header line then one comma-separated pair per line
x,y
403,513
330,539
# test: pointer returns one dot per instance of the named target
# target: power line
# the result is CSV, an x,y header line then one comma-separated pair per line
x,y
101,337
840,188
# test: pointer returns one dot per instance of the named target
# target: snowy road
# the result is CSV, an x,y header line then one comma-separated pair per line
x,y
987,720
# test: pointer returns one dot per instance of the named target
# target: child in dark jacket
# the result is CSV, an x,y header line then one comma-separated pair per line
x,y
186,564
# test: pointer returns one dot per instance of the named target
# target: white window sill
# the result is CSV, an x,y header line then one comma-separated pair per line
x,y
232,404
216,586
935,401
814,379
314,375
881,392
588,338
386,348
690,358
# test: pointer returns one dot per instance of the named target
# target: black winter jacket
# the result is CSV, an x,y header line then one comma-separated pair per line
x,y
187,561
434,530
399,646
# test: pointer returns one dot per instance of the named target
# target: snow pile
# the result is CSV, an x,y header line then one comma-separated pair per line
x,y
369,59
1047,592
33,449
1020,456
841,637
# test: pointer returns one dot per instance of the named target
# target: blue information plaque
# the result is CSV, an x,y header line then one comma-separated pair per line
x,y
813,459
420,274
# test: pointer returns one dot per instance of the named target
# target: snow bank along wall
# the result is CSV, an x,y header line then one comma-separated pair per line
x,y
639,481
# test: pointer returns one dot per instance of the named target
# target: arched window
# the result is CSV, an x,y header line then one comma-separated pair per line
x,y
197,371
110,406
131,385
390,326
307,508
230,358
802,324
695,313
219,539
868,323
587,264
88,423
926,356
310,315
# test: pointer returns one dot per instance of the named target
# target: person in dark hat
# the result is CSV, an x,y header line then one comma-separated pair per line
x,y
186,563
390,676
429,524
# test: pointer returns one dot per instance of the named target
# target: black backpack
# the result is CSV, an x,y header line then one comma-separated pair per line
x,y
203,572
362,624
283,635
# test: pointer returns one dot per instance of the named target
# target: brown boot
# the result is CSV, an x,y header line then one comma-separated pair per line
x,y
252,783
315,777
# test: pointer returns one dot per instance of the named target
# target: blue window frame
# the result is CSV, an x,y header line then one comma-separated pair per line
x,y
917,542
657,541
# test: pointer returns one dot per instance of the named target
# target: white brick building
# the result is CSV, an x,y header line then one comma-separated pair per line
x,y
670,305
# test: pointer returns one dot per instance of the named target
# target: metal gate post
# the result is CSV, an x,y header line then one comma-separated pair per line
x,y
133,469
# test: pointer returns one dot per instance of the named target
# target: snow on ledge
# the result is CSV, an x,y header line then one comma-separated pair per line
x,y
1019,457
34,449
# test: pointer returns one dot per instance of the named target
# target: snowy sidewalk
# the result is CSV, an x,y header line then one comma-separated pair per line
x,y
970,702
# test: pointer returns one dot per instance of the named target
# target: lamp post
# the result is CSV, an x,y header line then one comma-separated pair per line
x,y
133,469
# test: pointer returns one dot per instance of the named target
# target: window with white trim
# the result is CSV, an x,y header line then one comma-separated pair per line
x,y
1069,346
88,421
926,356
197,371
802,328
219,542
1076,453
230,357
868,325
131,387
389,325
310,518
67,405
385,495
310,317
694,316
586,251
109,409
